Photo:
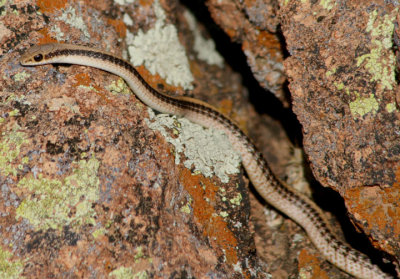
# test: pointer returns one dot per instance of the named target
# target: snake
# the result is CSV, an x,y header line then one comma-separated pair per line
x,y
285,199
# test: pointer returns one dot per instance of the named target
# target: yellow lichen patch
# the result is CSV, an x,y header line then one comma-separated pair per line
x,y
57,203
99,232
361,106
11,141
214,226
391,107
309,266
127,273
22,76
380,62
119,87
327,4
10,269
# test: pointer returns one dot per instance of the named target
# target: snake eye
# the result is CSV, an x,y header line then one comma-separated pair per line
x,y
38,57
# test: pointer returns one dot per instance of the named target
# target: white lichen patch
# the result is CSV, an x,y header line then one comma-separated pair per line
x,y
272,218
58,34
205,48
127,20
207,151
160,51
124,2
70,17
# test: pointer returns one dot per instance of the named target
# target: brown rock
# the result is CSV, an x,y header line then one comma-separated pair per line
x,y
341,73
88,189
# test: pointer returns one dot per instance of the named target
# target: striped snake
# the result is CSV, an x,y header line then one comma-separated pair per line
x,y
293,204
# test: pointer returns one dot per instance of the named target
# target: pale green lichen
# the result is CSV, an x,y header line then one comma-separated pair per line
x,y
17,98
327,4
362,106
391,107
223,214
87,87
339,85
119,87
205,48
206,150
331,72
52,200
380,62
122,273
186,208
99,232
10,269
139,254
160,51
22,76
70,17
14,113
127,273
236,200
10,147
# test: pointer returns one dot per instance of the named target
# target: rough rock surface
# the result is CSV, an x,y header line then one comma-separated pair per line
x,y
94,185
342,80
88,189
253,24
341,72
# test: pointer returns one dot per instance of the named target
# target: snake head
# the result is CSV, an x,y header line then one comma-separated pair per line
x,y
36,55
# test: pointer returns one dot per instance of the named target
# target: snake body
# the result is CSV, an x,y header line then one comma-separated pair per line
x,y
293,204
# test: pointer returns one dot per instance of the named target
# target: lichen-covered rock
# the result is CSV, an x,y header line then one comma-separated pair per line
x,y
90,188
341,73
253,24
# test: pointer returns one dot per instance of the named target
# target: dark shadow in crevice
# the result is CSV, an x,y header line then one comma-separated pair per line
x,y
263,101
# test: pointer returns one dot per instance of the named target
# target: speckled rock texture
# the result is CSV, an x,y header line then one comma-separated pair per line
x,y
342,78
93,184
254,24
